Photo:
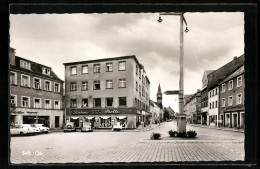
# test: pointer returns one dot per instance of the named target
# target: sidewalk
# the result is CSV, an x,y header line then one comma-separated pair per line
x,y
217,128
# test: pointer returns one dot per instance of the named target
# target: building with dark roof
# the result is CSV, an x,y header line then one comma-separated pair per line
x,y
192,106
35,93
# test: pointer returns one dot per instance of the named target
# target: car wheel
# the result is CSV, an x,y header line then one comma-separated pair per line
x,y
46,132
21,133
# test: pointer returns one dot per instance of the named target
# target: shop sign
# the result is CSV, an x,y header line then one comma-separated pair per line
x,y
112,112
100,111
86,112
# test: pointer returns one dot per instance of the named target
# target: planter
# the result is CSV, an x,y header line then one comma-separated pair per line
x,y
172,133
155,136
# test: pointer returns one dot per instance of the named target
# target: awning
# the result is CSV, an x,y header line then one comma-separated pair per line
x,y
74,118
89,117
104,117
121,117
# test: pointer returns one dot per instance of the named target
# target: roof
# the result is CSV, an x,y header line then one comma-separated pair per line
x,y
218,75
236,73
159,89
171,111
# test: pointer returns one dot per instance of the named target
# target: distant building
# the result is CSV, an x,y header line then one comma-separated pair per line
x,y
171,112
35,93
106,91
193,107
159,97
156,111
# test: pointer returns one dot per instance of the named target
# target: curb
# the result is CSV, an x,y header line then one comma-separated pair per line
x,y
191,141
224,129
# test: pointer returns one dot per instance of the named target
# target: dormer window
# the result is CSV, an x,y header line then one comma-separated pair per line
x,y
46,71
25,64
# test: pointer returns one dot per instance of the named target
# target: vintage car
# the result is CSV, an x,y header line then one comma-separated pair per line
x,y
69,126
117,126
36,129
87,127
42,128
22,129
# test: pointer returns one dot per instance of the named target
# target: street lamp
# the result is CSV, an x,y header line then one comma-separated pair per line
x,y
181,90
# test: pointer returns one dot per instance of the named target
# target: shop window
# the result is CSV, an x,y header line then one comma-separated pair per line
x,y
84,86
109,102
121,66
85,69
13,78
96,85
73,70
109,67
25,101
36,83
56,104
122,83
13,101
73,86
37,103
84,103
46,71
122,101
122,120
109,84
25,81
230,85
230,100
25,64
105,122
96,68
73,103
47,85
47,104
239,98
223,87
239,81
56,87
97,102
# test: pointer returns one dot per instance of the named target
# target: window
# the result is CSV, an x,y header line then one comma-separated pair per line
x,y
13,101
230,100
122,83
97,102
122,101
84,86
216,91
209,105
25,81
136,86
37,103
109,102
109,67
216,104
239,98
212,105
73,70
223,87
212,93
73,86
230,85
13,78
139,73
46,71
47,104
25,101
239,81
56,87
209,94
139,90
136,70
109,84
25,64
121,66
84,102
56,104
96,85
73,103
36,83
223,102
96,68
85,69
47,85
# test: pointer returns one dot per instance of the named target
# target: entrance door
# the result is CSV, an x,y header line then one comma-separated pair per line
x,y
57,121
234,120
227,120
242,119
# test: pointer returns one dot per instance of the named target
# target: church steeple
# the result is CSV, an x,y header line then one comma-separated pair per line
x,y
159,96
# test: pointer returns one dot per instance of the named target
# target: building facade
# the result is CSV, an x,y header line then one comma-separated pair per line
x,y
232,107
213,100
192,108
107,91
35,93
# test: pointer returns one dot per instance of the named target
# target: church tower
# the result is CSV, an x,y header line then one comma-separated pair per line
x,y
159,96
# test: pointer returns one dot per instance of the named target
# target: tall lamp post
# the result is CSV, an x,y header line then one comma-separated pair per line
x,y
181,124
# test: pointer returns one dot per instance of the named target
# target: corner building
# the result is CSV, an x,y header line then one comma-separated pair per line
x,y
106,91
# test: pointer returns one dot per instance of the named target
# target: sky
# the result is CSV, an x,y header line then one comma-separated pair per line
x,y
213,40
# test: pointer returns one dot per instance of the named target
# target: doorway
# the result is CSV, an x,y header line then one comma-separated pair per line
x,y
57,121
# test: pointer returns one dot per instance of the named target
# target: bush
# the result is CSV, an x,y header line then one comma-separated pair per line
x,y
155,136
172,133
191,133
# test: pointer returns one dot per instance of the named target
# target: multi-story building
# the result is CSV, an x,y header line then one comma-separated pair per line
x,y
105,91
155,111
232,107
35,93
213,99
192,107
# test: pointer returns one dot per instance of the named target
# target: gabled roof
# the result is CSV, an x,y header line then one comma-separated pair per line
x,y
236,73
159,89
223,72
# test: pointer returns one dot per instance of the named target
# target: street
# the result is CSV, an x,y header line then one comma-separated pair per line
x,y
127,146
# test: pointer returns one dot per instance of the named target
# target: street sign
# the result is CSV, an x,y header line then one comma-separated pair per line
x,y
171,92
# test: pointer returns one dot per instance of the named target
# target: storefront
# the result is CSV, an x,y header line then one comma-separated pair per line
x,y
103,118
234,119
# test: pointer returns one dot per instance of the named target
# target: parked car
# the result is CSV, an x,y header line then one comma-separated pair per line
x,y
70,126
36,129
22,129
117,127
87,127
42,128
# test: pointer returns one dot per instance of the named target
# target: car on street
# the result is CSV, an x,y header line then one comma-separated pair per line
x,y
36,129
42,128
87,127
22,129
69,126
117,127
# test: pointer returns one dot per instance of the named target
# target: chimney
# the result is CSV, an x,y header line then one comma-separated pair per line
x,y
12,56
235,58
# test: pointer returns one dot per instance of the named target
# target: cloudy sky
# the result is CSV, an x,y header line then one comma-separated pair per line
x,y
213,40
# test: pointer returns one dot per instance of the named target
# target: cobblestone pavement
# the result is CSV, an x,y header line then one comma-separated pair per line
x,y
98,147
